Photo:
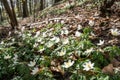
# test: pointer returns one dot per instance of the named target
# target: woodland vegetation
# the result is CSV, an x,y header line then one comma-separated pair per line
x,y
59,39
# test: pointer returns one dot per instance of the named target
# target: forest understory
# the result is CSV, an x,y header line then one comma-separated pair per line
x,y
78,34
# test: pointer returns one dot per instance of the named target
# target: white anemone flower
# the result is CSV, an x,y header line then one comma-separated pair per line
x,y
39,39
100,50
65,41
44,34
23,29
35,71
67,5
29,34
2,42
116,70
7,57
88,66
101,42
68,64
56,39
13,39
78,34
50,44
115,32
62,53
79,27
32,63
91,23
92,34
35,45
15,58
62,32
37,33
89,50
50,34
65,31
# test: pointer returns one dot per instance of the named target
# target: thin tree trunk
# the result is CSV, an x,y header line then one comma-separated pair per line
x,y
0,15
19,8
13,20
25,9
13,12
30,6
42,5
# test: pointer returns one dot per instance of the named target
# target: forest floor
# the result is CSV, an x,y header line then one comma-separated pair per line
x,y
85,16
78,15
74,16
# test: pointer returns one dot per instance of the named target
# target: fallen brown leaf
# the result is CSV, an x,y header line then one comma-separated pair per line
x,y
108,69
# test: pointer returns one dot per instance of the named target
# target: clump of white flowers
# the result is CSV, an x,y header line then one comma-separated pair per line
x,y
39,39
44,34
15,58
79,27
67,5
101,42
115,32
23,29
35,71
7,57
91,23
116,70
50,44
88,51
37,34
55,39
64,31
88,66
2,42
65,40
78,34
68,64
62,53
35,45
32,63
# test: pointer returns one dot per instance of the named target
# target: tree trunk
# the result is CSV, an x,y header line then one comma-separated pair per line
x,y
42,5
11,14
1,16
19,8
25,9
13,11
30,6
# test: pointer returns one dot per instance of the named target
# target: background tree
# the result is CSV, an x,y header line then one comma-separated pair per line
x,y
19,8
30,6
25,8
42,2
1,16
11,13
